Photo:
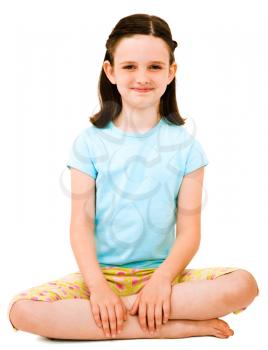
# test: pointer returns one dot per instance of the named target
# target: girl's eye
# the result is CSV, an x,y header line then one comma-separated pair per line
x,y
155,67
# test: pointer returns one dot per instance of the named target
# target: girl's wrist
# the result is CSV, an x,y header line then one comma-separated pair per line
x,y
162,275
96,282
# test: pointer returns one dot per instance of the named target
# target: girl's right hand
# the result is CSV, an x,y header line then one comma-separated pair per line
x,y
109,310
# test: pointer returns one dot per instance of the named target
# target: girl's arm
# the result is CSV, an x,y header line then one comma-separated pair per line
x,y
188,226
82,227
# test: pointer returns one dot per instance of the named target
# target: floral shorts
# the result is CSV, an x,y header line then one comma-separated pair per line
x,y
123,281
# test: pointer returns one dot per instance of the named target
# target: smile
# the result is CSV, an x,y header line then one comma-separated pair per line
x,y
142,90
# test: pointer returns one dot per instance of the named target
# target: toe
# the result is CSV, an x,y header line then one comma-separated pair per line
x,y
220,334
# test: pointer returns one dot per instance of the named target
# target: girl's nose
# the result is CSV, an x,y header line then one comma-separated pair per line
x,y
142,82
142,78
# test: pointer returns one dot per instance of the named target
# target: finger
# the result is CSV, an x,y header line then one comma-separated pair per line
x,y
105,321
112,319
96,315
125,310
166,310
119,317
158,315
150,317
142,317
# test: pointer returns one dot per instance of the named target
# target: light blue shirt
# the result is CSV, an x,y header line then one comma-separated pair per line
x,y
138,177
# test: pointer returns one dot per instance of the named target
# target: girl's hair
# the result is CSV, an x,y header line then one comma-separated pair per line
x,y
109,97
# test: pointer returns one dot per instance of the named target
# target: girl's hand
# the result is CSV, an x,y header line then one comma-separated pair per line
x,y
109,310
154,298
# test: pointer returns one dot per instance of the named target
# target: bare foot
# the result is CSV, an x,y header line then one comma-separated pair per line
x,y
215,327
194,328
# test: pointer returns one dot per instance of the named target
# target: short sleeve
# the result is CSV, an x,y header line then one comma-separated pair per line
x,y
80,156
196,158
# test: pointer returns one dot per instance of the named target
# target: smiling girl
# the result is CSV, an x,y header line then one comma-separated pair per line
x,y
136,175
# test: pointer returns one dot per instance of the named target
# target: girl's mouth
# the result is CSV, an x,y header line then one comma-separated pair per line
x,y
141,90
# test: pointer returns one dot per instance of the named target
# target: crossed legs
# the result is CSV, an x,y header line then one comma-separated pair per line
x,y
195,307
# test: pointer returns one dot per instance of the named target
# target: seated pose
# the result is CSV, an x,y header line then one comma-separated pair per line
x,y
136,198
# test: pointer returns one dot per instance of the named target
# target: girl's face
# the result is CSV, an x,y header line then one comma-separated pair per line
x,y
141,61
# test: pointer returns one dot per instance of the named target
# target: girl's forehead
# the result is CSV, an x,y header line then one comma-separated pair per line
x,y
149,61
135,50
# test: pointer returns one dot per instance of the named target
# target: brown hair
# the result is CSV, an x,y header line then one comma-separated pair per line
x,y
109,97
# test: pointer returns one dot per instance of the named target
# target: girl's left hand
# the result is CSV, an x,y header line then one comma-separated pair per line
x,y
154,298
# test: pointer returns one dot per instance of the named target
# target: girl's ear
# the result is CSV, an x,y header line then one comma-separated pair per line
x,y
108,69
172,72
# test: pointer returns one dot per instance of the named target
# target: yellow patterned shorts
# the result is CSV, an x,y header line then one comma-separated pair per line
x,y
123,281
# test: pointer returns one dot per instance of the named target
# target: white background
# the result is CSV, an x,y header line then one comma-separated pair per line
x,y
52,52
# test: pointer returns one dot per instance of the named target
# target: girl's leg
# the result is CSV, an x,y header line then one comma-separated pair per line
x,y
73,319
190,301
211,298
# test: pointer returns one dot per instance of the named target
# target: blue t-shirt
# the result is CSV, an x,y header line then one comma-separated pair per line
x,y
138,177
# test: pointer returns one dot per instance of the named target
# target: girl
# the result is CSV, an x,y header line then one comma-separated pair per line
x,y
136,174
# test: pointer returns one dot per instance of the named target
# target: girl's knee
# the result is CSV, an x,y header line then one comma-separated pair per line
x,y
22,314
17,313
243,286
248,282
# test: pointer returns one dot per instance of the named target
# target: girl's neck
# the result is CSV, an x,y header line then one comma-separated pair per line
x,y
131,123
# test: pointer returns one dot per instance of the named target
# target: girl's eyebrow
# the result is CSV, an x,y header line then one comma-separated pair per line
x,y
158,62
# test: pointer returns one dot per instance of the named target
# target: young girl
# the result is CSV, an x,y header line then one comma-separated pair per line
x,y
136,174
